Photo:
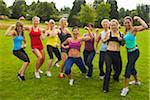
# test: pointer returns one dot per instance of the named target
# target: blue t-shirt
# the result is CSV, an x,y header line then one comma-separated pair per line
x,y
17,42
104,45
130,40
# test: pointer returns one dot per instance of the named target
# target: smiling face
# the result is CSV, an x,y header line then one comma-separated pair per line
x,y
75,32
19,27
106,25
127,24
35,22
114,26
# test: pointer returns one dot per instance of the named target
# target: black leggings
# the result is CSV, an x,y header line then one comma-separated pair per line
x,y
112,58
21,54
51,49
101,62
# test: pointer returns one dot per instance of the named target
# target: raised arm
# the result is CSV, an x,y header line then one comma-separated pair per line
x,y
10,31
66,42
141,27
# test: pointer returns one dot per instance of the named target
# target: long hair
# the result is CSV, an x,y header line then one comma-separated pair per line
x,y
129,18
19,24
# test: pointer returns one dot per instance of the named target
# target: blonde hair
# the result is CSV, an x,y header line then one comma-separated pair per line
x,y
62,20
116,21
128,17
104,20
36,18
51,21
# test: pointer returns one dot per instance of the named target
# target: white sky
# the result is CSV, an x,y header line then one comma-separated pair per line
x,y
127,4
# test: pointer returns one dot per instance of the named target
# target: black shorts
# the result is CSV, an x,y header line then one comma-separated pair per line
x,y
21,54
51,49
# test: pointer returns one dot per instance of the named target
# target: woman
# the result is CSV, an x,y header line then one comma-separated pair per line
x,y
16,31
105,24
113,56
89,51
64,35
74,45
132,50
52,44
36,44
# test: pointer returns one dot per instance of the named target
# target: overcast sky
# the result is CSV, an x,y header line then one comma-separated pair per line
x,y
127,4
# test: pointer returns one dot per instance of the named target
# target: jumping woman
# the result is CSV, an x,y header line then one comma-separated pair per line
x,y
36,44
113,57
74,45
63,35
132,50
89,50
105,24
52,44
16,31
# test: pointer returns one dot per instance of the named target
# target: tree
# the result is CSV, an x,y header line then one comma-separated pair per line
x,y
65,10
113,7
73,17
96,3
87,14
3,9
122,14
102,12
46,11
19,9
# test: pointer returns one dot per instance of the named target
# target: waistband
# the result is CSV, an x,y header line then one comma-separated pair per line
x,y
113,51
132,49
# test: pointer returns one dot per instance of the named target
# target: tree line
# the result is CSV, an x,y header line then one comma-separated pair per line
x,y
80,14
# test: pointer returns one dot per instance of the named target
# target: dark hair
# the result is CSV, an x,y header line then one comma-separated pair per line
x,y
129,18
90,24
75,27
19,24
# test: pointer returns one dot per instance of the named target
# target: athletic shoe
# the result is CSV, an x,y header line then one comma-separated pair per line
x,y
21,77
61,75
57,65
37,75
135,83
124,92
105,91
71,82
40,71
48,73
102,77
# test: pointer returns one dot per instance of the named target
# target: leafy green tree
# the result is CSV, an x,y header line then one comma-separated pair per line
x,y
113,9
19,9
96,3
3,9
102,11
87,14
73,17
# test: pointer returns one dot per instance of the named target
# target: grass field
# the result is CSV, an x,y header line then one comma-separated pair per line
x,y
58,89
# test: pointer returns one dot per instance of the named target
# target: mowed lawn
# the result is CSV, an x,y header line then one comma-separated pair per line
x,y
58,89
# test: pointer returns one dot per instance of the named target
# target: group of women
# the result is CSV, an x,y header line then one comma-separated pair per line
x,y
112,39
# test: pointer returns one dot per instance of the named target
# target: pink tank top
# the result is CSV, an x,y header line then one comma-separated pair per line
x,y
75,45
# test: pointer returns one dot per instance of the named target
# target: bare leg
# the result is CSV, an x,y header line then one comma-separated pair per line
x,y
23,68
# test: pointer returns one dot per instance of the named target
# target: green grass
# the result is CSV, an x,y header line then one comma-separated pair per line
x,y
54,88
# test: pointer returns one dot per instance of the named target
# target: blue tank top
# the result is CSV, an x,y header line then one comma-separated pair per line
x,y
130,40
17,42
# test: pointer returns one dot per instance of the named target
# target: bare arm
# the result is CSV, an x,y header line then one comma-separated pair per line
x,y
141,27
107,36
10,31
66,42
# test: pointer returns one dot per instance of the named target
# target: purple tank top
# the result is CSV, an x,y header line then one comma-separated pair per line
x,y
75,45
89,45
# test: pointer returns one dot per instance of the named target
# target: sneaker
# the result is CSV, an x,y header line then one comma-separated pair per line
x,y
48,73
21,77
105,91
135,83
71,82
102,77
124,91
40,71
57,65
87,77
61,75
37,75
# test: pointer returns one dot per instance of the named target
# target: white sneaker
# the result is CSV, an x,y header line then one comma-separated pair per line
x,y
48,73
124,92
37,75
57,65
102,77
40,71
135,83
71,82
86,77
